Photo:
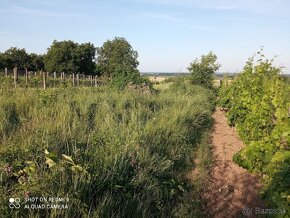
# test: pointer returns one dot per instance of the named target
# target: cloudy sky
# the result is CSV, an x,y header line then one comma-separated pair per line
x,y
168,34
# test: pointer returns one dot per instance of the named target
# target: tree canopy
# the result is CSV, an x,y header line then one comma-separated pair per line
x,y
118,60
16,57
202,71
116,54
70,57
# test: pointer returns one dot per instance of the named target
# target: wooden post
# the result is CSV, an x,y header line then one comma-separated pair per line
x,y
63,77
15,76
54,75
6,72
78,80
91,80
44,80
26,76
73,79
96,82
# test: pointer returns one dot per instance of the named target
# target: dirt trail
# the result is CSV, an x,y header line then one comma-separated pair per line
x,y
231,188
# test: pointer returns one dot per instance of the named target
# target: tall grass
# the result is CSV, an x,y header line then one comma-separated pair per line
x,y
112,153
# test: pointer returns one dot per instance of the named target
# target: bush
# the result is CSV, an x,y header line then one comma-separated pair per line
x,y
258,102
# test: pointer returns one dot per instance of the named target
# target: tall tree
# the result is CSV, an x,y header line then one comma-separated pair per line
x,y
15,57
85,57
202,71
36,62
60,57
2,61
69,57
116,54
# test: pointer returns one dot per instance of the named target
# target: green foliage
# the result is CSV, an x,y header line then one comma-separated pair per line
x,y
202,71
117,54
70,57
117,60
112,153
15,57
36,62
124,75
258,101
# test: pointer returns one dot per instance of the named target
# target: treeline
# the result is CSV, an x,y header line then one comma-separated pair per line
x,y
115,59
258,103
16,57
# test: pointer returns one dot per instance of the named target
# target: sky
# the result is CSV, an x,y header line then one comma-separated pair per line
x,y
168,34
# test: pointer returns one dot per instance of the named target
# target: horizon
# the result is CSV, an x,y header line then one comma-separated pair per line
x,y
168,34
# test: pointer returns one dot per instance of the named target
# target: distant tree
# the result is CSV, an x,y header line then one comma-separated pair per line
x,y
2,61
15,57
202,71
69,57
116,54
85,58
118,60
36,62
60,57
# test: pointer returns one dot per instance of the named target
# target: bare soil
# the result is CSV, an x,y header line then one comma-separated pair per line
x,y
231,188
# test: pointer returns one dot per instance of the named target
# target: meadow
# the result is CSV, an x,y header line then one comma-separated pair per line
x,y
108,152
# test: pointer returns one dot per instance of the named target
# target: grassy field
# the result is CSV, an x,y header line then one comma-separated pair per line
x,y
107,153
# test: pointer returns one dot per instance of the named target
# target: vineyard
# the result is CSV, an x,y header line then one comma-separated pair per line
x,y
258,104
118,145
41,79
112,153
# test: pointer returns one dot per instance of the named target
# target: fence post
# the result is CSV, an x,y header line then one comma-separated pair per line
x,y
15,76
96,82
44,80
78,82
6,72
91,80
26,76
73,79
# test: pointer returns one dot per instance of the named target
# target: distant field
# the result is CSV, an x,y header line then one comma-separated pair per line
x,y
157,78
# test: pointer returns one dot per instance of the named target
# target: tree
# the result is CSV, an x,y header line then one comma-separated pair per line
x,y
15,57
2,61
36,62
69,57
202,71
116,54
85,57
60,57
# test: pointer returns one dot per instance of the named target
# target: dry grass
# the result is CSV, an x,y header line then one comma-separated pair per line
x,y
157,78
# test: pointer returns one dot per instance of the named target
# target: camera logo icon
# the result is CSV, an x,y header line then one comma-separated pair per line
x,y
14,203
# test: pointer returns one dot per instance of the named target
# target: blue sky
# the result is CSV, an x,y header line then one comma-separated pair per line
x,y
168,34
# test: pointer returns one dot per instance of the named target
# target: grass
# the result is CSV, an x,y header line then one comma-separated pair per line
x,y
112,153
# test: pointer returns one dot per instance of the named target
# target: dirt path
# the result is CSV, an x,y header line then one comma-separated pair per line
x,y
231,187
